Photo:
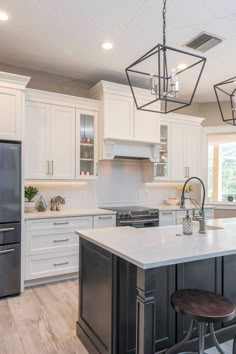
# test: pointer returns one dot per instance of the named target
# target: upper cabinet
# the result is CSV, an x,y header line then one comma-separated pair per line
x,y
49,141
60,139
180,150
12,105
124,130
86,144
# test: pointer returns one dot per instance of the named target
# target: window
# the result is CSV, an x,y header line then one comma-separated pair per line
x,y
222,168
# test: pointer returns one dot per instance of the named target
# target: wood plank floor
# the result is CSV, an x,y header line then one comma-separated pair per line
x,y
42,321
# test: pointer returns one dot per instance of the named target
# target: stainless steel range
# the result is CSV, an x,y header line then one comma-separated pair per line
x,y
136,216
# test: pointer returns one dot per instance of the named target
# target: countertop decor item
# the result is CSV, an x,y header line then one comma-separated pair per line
x,y
172,201
57,202
226,98
41,205
172,76
30,193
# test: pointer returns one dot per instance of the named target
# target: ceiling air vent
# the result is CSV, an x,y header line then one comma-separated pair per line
x,y
203,42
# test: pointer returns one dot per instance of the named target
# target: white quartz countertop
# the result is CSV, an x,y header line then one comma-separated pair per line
x,y
159,246
67,213
164,207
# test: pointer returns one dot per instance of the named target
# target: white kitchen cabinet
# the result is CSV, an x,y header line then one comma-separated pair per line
x,y
62,142
120,120
185,151
49,141
167,218
86,144
102,221
119,114
12,101
37,141
52,247
146,125
178,152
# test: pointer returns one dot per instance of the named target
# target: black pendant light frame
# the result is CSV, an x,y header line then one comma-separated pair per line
x,y
162,74
219,87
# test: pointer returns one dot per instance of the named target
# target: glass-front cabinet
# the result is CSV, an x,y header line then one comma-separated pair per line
x,y
87,144
162,168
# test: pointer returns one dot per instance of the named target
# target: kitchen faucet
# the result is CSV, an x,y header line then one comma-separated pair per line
x,y
201,217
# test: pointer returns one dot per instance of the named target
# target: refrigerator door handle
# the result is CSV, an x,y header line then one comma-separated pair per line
x,y
10,250
7,229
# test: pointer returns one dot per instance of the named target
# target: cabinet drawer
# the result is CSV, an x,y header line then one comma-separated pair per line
x,y
82,222
167,218
41,266
53,241
100,221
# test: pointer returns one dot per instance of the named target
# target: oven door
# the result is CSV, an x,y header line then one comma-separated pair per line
x,y
139,223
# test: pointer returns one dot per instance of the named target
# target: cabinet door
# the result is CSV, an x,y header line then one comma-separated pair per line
x,y
86,144
164,287
229,289
36,148
167,218
62,142
11,114
178,165
118,117
193,150
146,125
163,166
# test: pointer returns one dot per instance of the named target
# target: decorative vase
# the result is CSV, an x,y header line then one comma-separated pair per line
x,y
29,207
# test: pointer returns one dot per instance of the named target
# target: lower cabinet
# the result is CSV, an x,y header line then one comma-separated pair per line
x,y
52,247
167,218
165,286
229,283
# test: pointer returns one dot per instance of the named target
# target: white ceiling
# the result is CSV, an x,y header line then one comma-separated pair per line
x,y
64,36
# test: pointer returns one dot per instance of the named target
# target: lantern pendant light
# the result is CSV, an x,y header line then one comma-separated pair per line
x,y
226,98
169,75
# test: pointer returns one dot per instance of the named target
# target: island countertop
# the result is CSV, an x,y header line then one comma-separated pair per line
x,y
159,246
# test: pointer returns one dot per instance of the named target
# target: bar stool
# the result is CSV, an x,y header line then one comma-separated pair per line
x,y
203,307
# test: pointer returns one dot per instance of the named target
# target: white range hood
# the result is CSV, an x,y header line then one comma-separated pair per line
x,y
124,131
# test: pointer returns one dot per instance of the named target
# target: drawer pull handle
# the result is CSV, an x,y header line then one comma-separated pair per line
x,y
60,264
7,229
105,217
167,213
10,250
65,239
61,223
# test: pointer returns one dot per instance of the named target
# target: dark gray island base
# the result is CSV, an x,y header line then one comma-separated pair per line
x,y
118,299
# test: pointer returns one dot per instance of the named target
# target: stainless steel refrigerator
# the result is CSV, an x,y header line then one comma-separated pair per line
x,y
10,218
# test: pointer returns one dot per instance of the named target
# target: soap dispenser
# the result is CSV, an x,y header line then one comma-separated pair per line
x,y
187,224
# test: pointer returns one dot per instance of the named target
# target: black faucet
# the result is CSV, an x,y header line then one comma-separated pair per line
x,y
201,217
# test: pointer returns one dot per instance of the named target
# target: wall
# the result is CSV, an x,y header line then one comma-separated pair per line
x,y
119,183
50,82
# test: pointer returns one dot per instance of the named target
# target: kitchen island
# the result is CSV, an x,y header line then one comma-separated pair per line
x,y
127,276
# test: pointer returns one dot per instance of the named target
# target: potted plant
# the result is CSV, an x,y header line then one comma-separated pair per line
x,y
30,193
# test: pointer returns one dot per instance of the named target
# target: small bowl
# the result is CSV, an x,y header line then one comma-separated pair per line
x,y
172,201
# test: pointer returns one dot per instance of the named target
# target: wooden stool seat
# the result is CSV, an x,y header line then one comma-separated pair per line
x,y
203,306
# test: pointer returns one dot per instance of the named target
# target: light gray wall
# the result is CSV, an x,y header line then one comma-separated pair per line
x,y
71,86
50,82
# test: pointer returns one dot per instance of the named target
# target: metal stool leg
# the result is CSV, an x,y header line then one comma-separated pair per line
x,y
201,334
175,347
214,339
234,346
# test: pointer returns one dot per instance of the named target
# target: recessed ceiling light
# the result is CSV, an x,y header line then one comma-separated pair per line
x,y
3,16
181,66
107,45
